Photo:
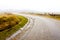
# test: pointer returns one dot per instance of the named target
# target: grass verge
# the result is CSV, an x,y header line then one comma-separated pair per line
x,y
54,17
8,32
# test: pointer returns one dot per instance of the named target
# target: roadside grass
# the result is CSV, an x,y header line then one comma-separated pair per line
x,y
54,17
8,32
48,16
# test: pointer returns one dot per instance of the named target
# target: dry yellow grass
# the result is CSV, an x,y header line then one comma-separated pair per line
x,y
8,20
53,17
9,31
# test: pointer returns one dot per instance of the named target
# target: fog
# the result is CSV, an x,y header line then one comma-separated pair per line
x,y
30,5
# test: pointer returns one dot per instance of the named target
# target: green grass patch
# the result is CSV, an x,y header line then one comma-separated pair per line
x,y
8,32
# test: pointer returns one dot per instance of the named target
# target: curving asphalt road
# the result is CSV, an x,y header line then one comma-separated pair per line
x,y
43,29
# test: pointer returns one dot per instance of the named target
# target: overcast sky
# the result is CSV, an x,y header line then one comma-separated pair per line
x,y
34,5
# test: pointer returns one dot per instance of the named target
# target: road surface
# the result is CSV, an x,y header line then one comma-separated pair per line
x,y
43,29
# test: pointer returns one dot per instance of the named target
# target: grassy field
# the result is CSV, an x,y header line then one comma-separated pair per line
x,y
57,17
54,17
8,32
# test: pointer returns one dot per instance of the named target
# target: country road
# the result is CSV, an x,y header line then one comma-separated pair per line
x,y
43,29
